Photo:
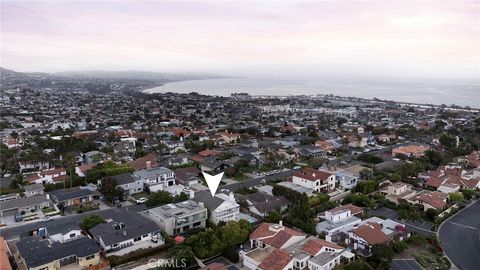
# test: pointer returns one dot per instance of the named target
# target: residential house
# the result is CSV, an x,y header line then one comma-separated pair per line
x,y
431,200
62,232
144,163
32,190
5,255
212,165
52,175
261,203
130,183
35,252
187,176
24,204
26,166
179,217
318,181
339,219
410,150
126,229
156,179
398,191
275,246
221,207
82,169
73,196
374,231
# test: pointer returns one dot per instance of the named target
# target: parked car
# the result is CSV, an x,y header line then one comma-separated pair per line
x,y
46,219
141,200
18,217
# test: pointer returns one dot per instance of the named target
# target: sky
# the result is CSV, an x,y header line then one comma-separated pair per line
x,y
282,39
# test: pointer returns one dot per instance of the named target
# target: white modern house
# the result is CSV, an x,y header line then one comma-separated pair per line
x,y
156,179
318,181
179,217
221,207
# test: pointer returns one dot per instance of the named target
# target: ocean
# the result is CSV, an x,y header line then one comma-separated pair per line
x,y
437,92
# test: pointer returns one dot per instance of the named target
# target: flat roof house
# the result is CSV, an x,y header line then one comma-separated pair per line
x,y
176,218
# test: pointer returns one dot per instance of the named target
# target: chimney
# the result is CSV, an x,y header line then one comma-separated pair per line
x,y
124,233
280,223
148,165
232,197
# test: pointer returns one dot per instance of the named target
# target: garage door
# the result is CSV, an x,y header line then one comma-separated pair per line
x,y
10,212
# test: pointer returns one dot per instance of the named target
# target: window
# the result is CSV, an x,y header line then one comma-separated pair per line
x,y
90,257
72,235
145,236
136,239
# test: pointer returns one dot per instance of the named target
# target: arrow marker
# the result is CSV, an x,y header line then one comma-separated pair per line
x,y
213,181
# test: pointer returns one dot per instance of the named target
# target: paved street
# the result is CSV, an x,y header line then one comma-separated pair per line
x,y
19,230
11,233
460,238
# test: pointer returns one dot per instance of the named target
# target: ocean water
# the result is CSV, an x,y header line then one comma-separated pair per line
x,y
459,92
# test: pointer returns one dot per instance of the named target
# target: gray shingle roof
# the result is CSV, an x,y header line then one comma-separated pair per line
x,y
38,251
22,202
211,203
135,225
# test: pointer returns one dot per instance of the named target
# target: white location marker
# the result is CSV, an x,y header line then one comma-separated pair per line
x,y
213,181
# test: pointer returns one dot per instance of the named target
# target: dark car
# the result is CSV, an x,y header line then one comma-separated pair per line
x,y
18,217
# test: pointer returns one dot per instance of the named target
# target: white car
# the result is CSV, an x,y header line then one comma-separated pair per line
x,y
141,200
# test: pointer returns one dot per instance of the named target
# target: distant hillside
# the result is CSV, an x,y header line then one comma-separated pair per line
x,y
94,81
138,75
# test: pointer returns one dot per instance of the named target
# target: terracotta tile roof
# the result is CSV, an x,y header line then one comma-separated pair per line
x,y
141,163
274,234
278,259
435,182
60,178
86,167
312,174
208,153
4,262
214,266
372,233
314,245
353,209
432,199
262,231
32,178
53,171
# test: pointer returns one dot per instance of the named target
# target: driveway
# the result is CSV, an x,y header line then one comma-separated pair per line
x,y
460,238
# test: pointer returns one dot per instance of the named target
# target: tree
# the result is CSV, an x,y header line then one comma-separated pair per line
x,y
456,197
274,217
110,190
447,140
158,198
431,214
367,186
301,215
399,246
182,255
89,222
468,193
